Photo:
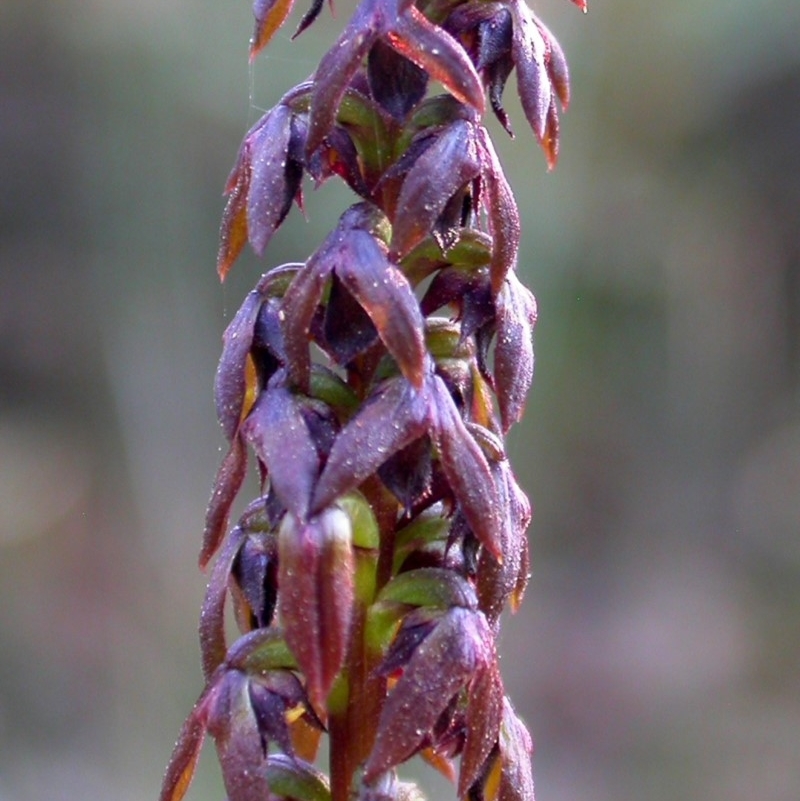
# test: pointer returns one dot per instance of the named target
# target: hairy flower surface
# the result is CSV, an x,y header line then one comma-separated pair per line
x,y
372,385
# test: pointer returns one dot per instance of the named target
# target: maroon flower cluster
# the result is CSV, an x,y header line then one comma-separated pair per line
x,y
374,384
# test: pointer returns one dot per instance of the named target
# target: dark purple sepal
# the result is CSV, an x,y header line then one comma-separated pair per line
x,y
486,29
468,291
467,471
322,424
391,419
396,83
439,172
277,431
513,356
385,294
411,154
448,287
310,16
408,473
348,329
316,594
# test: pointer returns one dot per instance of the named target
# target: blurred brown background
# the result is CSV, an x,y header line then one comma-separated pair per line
x,y
657,655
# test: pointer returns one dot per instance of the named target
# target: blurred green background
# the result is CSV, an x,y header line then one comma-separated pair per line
x,y
657,655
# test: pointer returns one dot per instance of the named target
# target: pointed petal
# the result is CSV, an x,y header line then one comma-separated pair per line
x,y
309,17
550,141
513,356
385,294
484,713
183,761
299,305
270,15
497,582
230,383
449,285
467,472
226,485
439,54
446,166
280,437
497,75
557,67
233,228
213,646
503,214
389,421
529,51
439,762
